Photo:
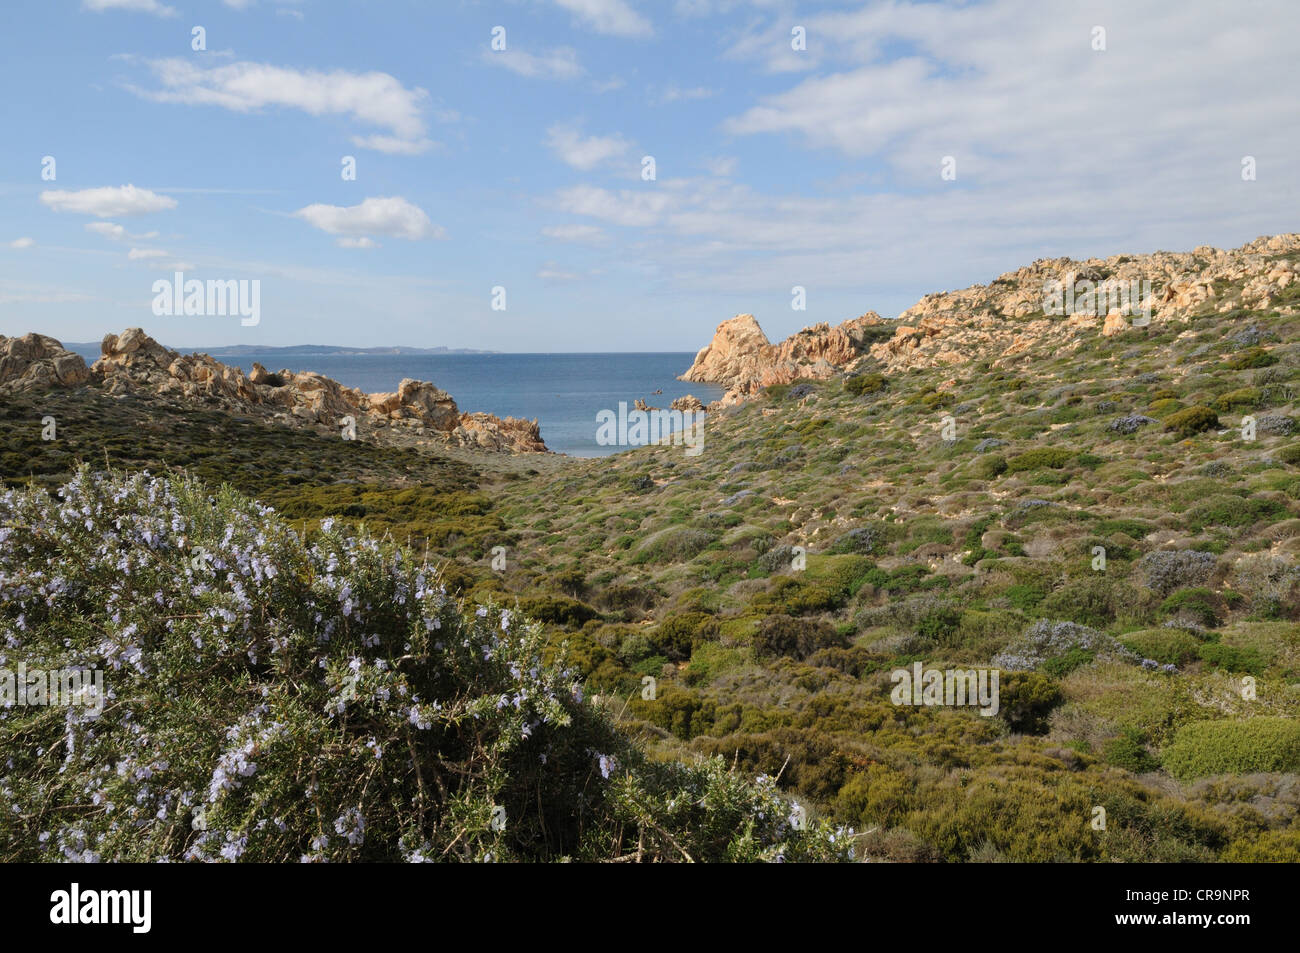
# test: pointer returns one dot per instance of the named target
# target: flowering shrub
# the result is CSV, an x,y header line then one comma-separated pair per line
x,y
271,698
1166,570
1046,640
1130,423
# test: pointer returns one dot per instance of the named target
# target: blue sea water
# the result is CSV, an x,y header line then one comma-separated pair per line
x,y
563,392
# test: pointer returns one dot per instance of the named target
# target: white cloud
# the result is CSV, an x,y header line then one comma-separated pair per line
x,y
115,232
107,229
394,217
144,254
559,63
627,207
108,201
1070,151
374,98
672,94
134,6
551,272
966,89
22,243
592,234
721,166
362,242
394,145
568,143
18,293
611,17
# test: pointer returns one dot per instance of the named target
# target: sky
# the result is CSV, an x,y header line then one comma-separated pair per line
x,y
503,196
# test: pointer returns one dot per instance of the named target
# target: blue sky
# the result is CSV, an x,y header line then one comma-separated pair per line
x,y
522,168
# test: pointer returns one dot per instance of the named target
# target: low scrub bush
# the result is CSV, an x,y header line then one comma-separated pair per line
x,y
1234,747
1191,421
1049,457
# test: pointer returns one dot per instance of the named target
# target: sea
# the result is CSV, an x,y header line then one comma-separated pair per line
x,y
564,392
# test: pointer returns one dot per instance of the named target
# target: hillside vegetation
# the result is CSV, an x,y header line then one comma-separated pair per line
x,y
1100,522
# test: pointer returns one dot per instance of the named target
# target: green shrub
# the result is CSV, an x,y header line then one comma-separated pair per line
x,y
1198,605
941,625
676,544
571,581
1021,819
1049,457
1024,596
679,635
1229,510
1232,659
1094,600
1250,357
1063,665
860,384
558,610
1234,747
1026,699
793,596
782,635
989,466
1269,847
1129,752
1242,397
1290,455
1166,646
878,796
1191,421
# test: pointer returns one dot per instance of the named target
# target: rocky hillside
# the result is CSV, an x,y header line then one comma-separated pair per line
x,y
1002,320
133,363
1111,521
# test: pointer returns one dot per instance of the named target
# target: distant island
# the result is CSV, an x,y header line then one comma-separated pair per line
x,y
315,350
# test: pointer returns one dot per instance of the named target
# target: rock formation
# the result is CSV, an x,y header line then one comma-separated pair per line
x,y
35,362
741,358
134,363
999,321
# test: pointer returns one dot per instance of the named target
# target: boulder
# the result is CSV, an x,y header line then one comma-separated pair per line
x,y
34,363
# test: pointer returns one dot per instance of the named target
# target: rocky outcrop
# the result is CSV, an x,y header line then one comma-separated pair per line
x,y
417,412
735,353
35,362
1003,319
488,432
741,358
687,404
